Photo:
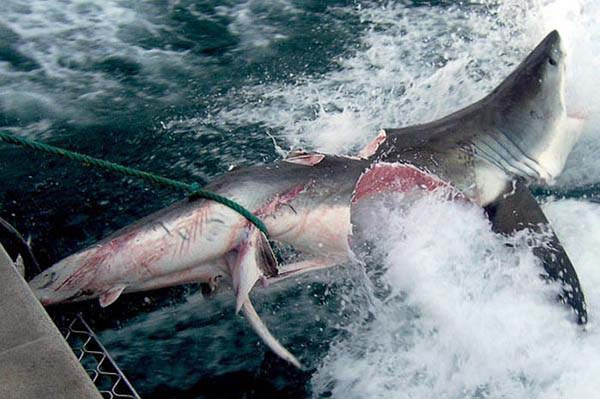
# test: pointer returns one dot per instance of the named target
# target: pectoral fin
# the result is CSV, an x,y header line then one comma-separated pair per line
x,y
111,295
518,211
263,332
252,260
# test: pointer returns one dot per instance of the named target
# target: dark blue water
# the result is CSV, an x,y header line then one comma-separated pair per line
x,y
189,88
92,82
110,97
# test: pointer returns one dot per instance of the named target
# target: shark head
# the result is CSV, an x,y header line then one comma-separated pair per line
x,y
540,75
66,281
519,130
531,135
46,288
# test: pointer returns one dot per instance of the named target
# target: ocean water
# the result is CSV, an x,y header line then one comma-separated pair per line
x,y
443,308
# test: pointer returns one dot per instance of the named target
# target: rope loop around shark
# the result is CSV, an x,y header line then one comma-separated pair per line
x,y
486,153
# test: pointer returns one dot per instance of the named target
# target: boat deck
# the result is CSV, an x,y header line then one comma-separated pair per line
x,y
35,360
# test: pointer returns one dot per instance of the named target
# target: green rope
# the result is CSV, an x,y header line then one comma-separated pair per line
x,y
193,189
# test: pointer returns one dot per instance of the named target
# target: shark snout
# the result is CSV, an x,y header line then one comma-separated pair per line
x,y
50,296
51,287
43,280
553,49
45,288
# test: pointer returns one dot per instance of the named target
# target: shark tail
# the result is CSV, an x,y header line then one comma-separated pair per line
x,y
16,244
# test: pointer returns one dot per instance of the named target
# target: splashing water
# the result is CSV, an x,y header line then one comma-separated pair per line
x,y
466,315
415,64
449,309
446,308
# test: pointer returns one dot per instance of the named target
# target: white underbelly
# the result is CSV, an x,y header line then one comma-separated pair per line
x,y
490,183
323,231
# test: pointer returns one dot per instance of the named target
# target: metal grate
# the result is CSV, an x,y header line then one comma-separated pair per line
x,y
93,356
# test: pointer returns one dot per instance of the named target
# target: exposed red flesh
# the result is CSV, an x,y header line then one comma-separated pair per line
x,y
396,177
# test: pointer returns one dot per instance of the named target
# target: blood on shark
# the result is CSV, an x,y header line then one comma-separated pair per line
x,y
487,153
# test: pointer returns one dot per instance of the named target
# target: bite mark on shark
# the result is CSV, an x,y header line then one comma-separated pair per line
x,y
395,177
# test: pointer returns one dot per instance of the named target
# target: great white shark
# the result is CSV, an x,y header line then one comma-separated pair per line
x,y
487,153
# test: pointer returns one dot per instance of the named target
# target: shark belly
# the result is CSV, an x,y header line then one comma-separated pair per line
x,y
319,231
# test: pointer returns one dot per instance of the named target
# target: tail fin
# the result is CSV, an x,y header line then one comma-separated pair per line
x,y
19,248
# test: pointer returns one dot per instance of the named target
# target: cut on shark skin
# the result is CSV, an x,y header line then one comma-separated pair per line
x,y
518,131
305,205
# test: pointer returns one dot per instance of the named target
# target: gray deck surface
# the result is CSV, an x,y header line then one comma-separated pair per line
x,y
35,361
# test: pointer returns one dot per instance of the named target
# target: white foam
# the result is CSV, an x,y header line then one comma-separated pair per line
x,y
250,21
577,224
77,46
65,40
415,64
577,22
468,316
397,77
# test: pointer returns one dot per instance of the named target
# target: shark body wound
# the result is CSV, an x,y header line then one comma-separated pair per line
x,y
487,153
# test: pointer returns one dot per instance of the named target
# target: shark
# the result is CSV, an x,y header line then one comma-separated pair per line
x,y
489,153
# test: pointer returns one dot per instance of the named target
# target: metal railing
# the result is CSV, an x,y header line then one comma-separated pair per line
x,y
93,356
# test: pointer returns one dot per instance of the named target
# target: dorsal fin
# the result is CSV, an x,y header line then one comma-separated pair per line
x,y
520,127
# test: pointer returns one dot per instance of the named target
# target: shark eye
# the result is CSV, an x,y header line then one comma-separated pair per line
x,y
552,62
49,278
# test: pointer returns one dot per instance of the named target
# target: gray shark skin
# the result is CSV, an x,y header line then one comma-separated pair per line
x,y
519,129
518,134
303,200
519,211
310,201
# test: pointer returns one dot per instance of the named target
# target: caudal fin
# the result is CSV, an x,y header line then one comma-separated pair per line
x,y
19,248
